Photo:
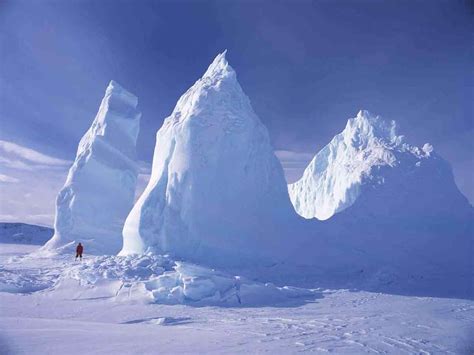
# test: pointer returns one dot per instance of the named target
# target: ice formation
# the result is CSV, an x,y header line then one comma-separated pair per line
x,y
99,191
217,192
387,205
355,157
217,197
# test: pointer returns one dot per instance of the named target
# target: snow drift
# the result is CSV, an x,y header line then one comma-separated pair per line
x,y
99,190
162,280
217,192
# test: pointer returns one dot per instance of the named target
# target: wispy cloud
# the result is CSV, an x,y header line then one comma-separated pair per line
x,y
293,163
8,179
29,183
16,156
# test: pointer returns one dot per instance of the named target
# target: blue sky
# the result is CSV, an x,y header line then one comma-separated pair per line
x,y
307,67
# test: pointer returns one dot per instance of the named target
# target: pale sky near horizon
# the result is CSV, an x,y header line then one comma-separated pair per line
x,y
307,67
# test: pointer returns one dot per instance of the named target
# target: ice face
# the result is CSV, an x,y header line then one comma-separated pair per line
x,y
99,191
217,192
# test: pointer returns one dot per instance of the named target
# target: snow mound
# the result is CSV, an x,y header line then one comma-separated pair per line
x,y
195,284
217,193
164,281
333,180
100,187
133,268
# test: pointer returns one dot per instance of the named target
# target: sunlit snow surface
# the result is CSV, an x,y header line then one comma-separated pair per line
x,y
109,305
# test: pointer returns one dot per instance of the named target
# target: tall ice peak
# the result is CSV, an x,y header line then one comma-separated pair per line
x,y
213,161
100,187
219,67
218,86
116,91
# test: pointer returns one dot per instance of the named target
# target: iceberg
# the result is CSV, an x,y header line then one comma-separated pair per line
x,y
217,193
99,190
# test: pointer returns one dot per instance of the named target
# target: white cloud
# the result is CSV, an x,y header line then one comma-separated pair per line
x,y
29,183
8,179
12,152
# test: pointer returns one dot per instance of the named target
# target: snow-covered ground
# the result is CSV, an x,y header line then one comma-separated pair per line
x,y
55,305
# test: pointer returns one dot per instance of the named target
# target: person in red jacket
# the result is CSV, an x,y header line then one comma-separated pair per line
x,y
79,250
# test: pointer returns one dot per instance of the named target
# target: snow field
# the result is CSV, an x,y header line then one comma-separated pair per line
x,y
85,314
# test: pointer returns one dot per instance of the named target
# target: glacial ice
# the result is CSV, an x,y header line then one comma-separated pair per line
x,y
361,158
217,191
99,190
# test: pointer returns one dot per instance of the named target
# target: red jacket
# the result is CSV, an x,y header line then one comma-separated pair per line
x,y
79,249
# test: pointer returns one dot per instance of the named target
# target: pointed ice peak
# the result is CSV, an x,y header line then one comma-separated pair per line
x,y
219,67
366,127
218,87
365,115
116,90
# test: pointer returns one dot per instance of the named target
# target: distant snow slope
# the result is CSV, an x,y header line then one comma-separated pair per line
x,y
99,190
23,233
217,192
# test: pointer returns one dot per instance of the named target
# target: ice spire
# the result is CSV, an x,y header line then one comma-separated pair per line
x,y
213,161
99,190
